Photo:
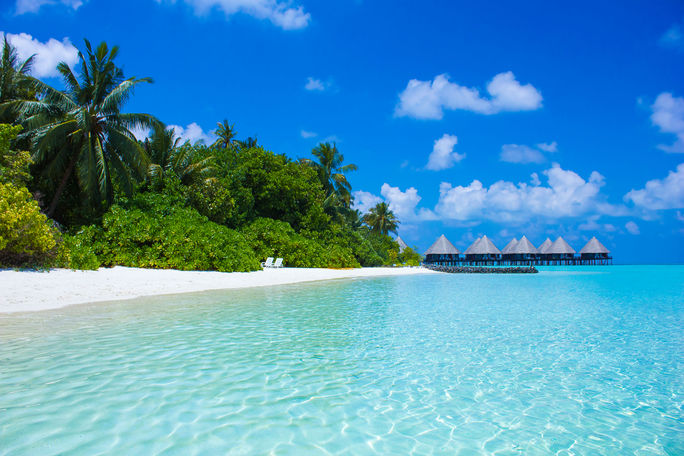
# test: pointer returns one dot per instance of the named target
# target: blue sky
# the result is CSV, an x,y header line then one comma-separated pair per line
x,y
469,118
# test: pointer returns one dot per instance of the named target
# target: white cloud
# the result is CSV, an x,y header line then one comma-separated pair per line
x,y
443,155
673,37
193,133
592,225
659,194
518,153
566,195
319,85
314,85
548,147
403,204
534,180
632,228
668,115
140,133
281,13
429,99
48,54
363,201
32,6
308,134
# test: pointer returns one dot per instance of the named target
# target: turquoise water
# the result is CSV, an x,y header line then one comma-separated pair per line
x,y
568,361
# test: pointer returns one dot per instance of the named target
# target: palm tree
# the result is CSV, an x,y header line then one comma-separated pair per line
x,y
167,154
83,130
331,172
15,82
225,134
381,219
248,143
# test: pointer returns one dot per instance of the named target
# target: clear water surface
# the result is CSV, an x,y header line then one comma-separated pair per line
x,y
568,361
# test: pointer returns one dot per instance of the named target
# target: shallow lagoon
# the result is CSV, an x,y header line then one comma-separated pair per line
x,y
585,360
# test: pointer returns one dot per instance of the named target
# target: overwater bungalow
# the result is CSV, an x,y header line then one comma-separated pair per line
x,y
594,252
507,252
524,251
402,245
483,252
544,246
442,252
559,252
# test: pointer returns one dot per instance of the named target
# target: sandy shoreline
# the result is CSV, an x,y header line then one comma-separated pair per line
x,y
25,291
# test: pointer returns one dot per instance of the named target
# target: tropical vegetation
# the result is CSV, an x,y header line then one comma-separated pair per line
x,y
78,189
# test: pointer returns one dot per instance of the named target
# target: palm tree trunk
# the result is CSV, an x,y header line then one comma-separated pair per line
x,y
62,185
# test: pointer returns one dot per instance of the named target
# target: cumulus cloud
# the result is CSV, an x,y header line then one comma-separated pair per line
x,y
308,134
632,228
32,6
565,195
314,85
283,14
443,155
429,99
659,194
548,147
363,201
403,204
47,54
668,116
193,133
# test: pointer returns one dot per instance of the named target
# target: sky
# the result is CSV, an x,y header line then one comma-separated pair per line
x,y
501,118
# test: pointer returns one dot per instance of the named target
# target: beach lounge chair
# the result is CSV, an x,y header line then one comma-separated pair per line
x,y
268,263
278,263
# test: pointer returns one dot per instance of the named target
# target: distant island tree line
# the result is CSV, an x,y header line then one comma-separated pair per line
x,y
79,190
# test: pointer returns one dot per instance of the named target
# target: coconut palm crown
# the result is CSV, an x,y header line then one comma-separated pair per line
x,y
15,82
331,172
225,133
381,219
83,130
167,154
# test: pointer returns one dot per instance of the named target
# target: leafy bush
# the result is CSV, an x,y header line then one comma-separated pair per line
x,y
410,257
26,237
14,164
155,231
274,238
77,252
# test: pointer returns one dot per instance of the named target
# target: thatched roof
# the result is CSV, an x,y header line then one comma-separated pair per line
x,y
544,246
594,246
442,246
524,247
402,245
510,246
469,250
484,247
559,246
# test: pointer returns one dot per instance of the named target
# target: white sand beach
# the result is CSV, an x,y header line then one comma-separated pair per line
x,y
25,291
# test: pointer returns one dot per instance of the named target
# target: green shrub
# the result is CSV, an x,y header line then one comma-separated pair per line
x,y
154,231
78,252
26,237
274,238
410,257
